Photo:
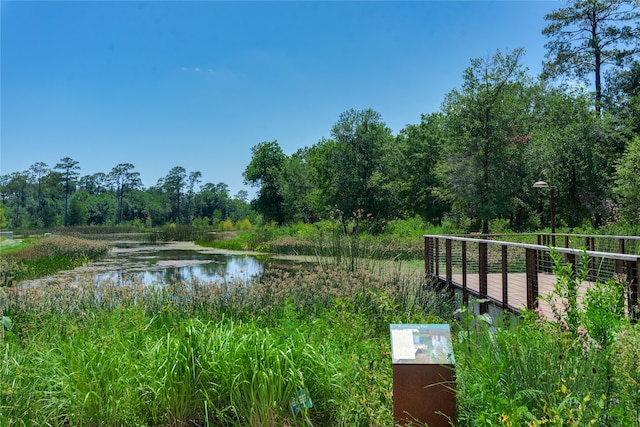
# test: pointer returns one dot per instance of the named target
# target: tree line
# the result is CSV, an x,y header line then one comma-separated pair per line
x,y
45,197
472,163
576,126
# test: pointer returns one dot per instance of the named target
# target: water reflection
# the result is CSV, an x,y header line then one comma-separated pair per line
x,y
187,266
130,262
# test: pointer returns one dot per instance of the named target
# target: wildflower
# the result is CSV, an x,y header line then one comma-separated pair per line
x,y
582,332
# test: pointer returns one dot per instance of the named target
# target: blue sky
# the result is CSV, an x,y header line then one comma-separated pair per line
x,y
198,83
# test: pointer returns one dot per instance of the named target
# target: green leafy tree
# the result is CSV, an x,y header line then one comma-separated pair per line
x,y
420,147
622,96
627,182
295,186
38,171
69,168
571,150
264,171
193,179
15,186
174,184
212,198
101,209
124,179
97,183
587,35
351,171
3,219
486,128
78,212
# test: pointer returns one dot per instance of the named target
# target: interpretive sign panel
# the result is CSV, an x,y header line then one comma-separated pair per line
x,y
421,344
423,375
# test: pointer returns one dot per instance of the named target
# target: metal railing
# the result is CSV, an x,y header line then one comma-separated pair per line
x,y
600,243
512,274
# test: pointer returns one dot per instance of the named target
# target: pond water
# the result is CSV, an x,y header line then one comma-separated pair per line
x,y
159,264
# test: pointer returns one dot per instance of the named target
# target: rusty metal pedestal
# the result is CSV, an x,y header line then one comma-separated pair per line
x,y
424,394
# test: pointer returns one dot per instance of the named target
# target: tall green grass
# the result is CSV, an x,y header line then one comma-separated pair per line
x,y
573,369
47,255
221,353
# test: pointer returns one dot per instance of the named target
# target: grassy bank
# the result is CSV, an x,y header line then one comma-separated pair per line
x,y
39,257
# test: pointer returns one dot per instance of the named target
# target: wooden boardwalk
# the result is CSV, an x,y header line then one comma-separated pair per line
x,y
514,276
517,295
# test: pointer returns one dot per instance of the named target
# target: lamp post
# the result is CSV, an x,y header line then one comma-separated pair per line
x,y
544,184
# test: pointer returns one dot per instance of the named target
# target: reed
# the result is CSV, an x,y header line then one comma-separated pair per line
x,y
223,353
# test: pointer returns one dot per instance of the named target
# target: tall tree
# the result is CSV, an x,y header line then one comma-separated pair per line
x,y
351,170
485,128
587,35
16,185
264,171
622,95
38,171
97,183
570,150
193,179
124,179
174,184
69,168
421,151
295,186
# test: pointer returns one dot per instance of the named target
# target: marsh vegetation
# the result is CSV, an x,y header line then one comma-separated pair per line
x,y
188,351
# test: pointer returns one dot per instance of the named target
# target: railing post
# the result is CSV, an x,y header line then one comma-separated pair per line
x,y
428,261
532,278
591,245
505,280
465,295
448,272
483,272
436,249
566,256
619,264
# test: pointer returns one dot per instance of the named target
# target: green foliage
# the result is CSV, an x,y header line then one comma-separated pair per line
x,y
226,225
586,36
627,181
421,151
264,170
3,219
46,256
487,127
78,213
353,171
196,354
626,372
570,369
244,225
